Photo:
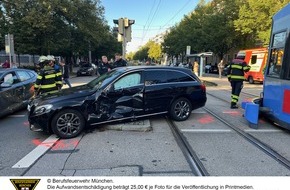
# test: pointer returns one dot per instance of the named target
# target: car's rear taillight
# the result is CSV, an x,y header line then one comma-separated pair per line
x,y
203,88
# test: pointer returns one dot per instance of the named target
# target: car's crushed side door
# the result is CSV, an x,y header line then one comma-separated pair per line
x,y
122,99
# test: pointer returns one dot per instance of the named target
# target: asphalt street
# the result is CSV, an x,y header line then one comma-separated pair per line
x,y
145,147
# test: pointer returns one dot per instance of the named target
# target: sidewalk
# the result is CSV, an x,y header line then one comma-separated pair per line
x,y
214,78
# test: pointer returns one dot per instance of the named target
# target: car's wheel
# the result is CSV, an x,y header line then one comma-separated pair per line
x,y
68,123
180,109
251,80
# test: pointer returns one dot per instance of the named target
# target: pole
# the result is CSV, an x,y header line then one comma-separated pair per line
x,y
201,66
90,53
9,43
124,44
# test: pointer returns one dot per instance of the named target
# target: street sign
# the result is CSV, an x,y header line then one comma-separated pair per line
x,y
188,50
7,43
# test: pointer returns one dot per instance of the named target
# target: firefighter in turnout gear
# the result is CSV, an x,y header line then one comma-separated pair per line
x,y
47,79
236,77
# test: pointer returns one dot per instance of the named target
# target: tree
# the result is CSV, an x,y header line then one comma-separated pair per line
x,y
59,27
208,28
141,54
255,18
154,50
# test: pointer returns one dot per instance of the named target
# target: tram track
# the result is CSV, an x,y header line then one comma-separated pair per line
x,y
250,138
227,101
195,163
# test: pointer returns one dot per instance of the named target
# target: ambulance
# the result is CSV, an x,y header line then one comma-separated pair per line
x,y
256,59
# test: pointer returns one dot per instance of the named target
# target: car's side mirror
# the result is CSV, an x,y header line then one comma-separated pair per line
x,y
108,90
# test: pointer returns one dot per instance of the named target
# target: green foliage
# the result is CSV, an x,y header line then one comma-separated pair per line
x,y
222,26
61,27
255,18
141,54
130,56
208,28
154,51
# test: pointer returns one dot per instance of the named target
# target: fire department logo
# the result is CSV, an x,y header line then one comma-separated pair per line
x,y
24,184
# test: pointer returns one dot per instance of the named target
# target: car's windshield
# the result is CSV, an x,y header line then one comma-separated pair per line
x,y
104,79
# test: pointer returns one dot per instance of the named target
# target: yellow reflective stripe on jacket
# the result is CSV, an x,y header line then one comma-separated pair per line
x,y
237,67
58,74
58,82
49,76
237,77
247,68
44,86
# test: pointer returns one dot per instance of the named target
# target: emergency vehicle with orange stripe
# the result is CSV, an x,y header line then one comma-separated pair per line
x,y
256,59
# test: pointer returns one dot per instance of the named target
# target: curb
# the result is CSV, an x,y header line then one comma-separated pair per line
x,y
139,125
207,83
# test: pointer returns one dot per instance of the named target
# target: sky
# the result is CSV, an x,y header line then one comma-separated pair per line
x,y
151,17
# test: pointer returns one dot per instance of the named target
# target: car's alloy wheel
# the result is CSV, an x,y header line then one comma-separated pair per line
x,y
180,109
68,123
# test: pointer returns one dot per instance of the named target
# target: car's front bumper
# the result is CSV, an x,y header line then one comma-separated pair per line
x,y
39,122
35,128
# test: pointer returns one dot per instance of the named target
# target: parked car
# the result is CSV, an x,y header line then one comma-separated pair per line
x,y
207,68
86,69
16,88
121,94
211,69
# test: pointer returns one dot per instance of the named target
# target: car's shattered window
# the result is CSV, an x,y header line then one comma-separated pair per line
x,y
128,81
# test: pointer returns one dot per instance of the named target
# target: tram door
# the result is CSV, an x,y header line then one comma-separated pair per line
x,y
277,76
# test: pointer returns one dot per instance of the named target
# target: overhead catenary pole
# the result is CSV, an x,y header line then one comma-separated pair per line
x,y
124,44
9,44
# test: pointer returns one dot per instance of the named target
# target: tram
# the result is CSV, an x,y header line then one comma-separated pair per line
x,y
274,101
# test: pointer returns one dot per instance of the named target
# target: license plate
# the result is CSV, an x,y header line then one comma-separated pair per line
x,y
83,72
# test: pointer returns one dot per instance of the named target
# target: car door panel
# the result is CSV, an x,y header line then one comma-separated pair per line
x,y
158,98
6,101
11,97
118,101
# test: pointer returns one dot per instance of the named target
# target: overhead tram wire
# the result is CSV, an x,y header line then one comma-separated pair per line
x,y
147,21
175,14
143,37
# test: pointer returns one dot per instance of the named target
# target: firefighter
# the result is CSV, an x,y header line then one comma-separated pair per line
x,y
56,68
236,77
47,79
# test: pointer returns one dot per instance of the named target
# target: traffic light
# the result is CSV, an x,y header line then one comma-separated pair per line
x,y
128,34
128,22
121,26
120,38
131,22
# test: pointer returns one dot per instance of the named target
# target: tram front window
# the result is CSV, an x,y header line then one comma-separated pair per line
x,y
276,60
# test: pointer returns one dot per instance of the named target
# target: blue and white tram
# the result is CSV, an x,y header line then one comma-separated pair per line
x,y
275,98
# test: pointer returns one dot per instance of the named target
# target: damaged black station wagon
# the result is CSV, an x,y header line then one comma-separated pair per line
x,y
124,93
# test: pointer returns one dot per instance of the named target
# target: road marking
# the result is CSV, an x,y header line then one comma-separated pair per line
x,y
197,111
262,130
231,112
31,157
205,130
16,115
